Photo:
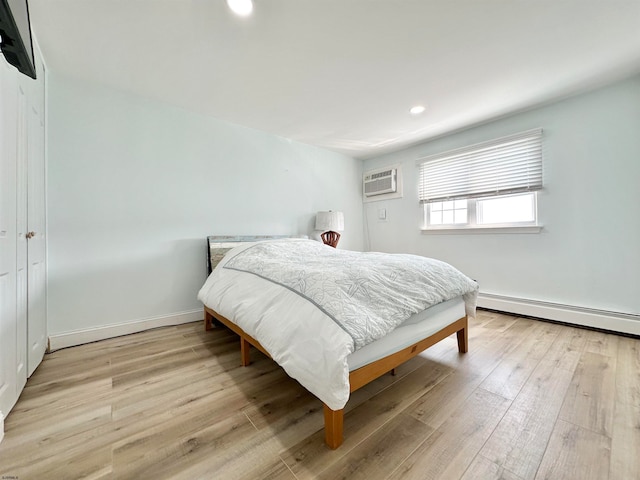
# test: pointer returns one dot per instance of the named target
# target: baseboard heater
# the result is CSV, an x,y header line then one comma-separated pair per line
x,y
617,322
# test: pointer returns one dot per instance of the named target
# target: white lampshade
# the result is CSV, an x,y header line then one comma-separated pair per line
x,y
330,221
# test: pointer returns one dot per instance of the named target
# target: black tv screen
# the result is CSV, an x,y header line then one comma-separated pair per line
x,y
15,30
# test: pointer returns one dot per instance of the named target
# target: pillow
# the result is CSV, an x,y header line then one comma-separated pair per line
x,y
217,251
217,254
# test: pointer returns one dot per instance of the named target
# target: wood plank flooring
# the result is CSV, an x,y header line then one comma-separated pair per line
x,y
531,400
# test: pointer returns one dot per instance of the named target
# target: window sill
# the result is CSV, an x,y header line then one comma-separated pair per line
x,y
481,230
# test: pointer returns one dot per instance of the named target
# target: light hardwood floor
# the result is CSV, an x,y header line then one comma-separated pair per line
x,y
531,400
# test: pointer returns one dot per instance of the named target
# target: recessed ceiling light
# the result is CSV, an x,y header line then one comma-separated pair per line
x,y
241,7
417,110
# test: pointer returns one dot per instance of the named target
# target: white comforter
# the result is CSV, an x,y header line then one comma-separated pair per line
x,y
311,315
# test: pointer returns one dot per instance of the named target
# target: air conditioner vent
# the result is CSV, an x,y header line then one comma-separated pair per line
x,y
380,182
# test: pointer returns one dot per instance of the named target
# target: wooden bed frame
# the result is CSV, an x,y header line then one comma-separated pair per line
x,y
333,419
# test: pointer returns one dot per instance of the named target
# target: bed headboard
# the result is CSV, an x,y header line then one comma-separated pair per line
x,y
218,245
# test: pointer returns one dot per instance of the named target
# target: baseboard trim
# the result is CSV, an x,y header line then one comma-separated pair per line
x,y
600,319
79,337
587,317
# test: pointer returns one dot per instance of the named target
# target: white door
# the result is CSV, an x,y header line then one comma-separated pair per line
x,y
8,330
22,164
36,274
22,211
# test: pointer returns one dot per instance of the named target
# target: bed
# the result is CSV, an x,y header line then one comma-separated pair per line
x,y
333,319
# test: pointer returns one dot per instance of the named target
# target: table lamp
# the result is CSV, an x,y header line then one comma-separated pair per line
x,y
329,222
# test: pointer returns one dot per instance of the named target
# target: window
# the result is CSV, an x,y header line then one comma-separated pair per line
x,y
501,211
453,212
492,184
506,209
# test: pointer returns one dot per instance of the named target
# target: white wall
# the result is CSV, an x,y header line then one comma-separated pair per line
x,y
588,254
135,186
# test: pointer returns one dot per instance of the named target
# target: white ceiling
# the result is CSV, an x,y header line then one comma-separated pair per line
x,y
342,74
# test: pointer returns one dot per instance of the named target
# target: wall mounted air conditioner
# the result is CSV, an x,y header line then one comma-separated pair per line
x,y
380,182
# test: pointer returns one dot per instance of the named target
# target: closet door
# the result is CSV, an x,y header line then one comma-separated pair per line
x,y
22,165
36,268
22,231
8,324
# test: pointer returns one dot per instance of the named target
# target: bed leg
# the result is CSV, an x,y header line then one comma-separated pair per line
x,y
463,338
333,421
393,372
245,349
208,321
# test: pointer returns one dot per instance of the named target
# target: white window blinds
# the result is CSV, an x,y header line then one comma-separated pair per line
x,y
506,165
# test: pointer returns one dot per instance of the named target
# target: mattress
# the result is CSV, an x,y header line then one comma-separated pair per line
x,y
416,327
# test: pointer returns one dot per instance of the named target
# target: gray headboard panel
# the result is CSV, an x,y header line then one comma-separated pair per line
x,y
219,245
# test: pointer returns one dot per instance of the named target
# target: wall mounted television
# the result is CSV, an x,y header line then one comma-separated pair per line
x,y
15,30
